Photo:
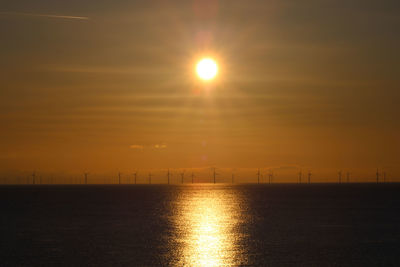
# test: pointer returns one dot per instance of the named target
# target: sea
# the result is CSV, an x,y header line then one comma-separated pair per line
x,y
200,225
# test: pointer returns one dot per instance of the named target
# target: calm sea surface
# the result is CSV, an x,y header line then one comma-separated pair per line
x,y
200,225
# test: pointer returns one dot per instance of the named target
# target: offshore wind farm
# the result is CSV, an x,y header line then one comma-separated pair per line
x,y
197,175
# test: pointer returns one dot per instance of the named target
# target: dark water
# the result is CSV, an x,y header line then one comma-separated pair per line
x,y
277,225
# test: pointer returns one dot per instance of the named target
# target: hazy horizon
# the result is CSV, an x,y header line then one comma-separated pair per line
x,y
200,175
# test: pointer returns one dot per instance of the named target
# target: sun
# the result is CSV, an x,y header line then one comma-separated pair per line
x,y
207,69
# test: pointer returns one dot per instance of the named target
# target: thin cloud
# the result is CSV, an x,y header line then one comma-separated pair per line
x,y
140,147
161,146
101,69
155,146
44,15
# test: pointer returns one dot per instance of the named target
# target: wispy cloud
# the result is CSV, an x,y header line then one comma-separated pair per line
x,y
53,16
140,147
155,146
161,146
102,69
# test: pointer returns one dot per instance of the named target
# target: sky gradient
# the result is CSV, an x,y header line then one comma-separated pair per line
x,y
103,86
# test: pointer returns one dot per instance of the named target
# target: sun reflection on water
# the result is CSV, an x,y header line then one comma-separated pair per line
x,y
206,222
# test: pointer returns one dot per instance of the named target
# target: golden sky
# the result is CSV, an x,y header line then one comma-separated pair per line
x,y
111,85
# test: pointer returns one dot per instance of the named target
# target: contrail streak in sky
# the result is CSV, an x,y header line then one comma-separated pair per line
x,y
43,15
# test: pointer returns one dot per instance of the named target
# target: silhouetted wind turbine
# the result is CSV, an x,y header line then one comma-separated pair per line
x,y
258,176
86,177
309,177
34,177
150,175
119,177
182,176
168,175
135,175
270,176
193,177
215,176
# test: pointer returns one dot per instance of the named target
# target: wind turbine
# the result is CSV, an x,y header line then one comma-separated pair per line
x,y
270,176
182,176
215,175
119,177
86,177
258,176
168,175
135,175
150,175
193,177
309,177
34,177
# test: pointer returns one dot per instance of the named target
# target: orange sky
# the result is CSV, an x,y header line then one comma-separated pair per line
x,y
105,86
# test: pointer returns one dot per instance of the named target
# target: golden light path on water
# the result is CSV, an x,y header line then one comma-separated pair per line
x,y
206,222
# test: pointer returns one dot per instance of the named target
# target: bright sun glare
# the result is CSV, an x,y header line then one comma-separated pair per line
x,y
207,69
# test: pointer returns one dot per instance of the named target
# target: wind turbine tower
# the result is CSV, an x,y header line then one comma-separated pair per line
x,y
34,178
135,175
309,177
193,177
119,178
377,176
215,175
86,175
258,176
168,175
270,177
182,176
